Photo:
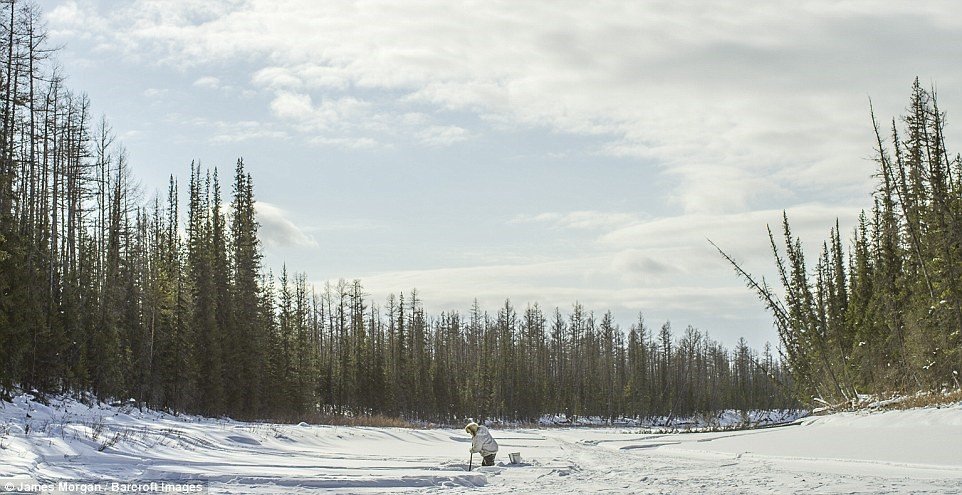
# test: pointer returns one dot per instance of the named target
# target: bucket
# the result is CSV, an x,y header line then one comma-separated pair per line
x,y
514,458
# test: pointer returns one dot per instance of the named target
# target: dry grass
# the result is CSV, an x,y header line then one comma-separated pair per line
x,y
932,399
894,401
377,421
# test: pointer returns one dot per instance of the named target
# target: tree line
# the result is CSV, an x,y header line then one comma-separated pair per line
x,y
884,315
518,363
165,301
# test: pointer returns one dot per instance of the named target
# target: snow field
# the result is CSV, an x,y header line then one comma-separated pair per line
x,y
914,451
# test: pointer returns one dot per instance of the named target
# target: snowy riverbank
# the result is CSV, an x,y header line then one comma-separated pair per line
x,y
880,452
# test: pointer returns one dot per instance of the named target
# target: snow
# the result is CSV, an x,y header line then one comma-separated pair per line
x,y
727,419
911,451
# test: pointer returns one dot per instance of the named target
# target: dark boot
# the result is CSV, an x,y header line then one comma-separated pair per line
x,y
488,460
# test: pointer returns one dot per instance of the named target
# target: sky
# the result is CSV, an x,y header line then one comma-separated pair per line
x,y
544,152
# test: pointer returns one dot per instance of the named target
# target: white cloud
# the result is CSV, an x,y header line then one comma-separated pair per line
x,y
301,76
437,135
584,219
329,113
354,123
356,143
277,230
155,92
240,133
207,82
739,103
132,135
64,14
222,131
277,78
71,18
287,105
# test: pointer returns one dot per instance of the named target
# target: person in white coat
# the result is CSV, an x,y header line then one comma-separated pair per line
x,y
483,443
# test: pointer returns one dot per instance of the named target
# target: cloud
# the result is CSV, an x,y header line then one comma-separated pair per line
x,y
277,230
155,92
330,113
73,19
132,135
740,230
641,262
354,143
660,265
346,225
739,104
65,14
277,78
222,131
680,244
287,105
353,123
586,219
437,135
300,77
207,82
214,83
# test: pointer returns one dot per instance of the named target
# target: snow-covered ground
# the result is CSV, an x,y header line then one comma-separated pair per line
x,y
914,451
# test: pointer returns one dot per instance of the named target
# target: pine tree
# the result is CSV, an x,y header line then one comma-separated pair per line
x,y
245,354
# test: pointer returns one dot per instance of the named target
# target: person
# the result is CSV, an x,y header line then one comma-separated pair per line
x,y
482,442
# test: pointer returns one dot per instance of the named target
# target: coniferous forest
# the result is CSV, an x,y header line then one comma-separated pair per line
x,y
162,298
885,315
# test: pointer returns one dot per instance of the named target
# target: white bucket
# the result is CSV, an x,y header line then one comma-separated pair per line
x,y
514,458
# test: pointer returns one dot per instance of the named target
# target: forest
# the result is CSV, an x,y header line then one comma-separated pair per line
x,y
165,302
883,316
